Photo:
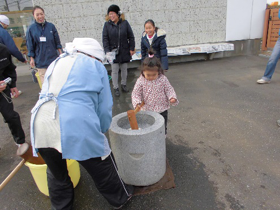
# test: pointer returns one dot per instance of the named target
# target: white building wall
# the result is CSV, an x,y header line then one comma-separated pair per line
x,y
185,21
245,19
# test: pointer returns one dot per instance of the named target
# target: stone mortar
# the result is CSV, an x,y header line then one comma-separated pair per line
x,y
140,154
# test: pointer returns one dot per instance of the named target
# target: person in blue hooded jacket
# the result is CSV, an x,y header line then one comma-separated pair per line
x,y
6,39
153,38
43,42
69,120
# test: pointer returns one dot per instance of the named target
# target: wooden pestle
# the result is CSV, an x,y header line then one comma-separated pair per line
x,y
24,151
131,114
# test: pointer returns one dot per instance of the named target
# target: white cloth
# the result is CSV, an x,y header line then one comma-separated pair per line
x,y
47,120
4,19
86,45
44,123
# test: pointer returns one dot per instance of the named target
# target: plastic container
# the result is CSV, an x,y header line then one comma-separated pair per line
x,y
39,173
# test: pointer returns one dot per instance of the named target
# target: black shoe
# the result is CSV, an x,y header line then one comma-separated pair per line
x,y
117,92
130,196
130,190
124,89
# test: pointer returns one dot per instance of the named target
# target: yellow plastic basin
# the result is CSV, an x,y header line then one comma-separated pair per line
x,y
39,173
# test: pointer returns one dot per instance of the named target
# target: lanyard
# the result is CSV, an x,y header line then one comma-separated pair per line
x,y
43,28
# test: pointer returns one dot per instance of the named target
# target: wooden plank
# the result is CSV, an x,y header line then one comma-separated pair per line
x,y
273,28
15,12
265,29
274,14
273,38
269,34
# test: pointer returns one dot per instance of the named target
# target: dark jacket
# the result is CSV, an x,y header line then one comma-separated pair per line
x,y
158,45
110,39
7,68
6,39
44,53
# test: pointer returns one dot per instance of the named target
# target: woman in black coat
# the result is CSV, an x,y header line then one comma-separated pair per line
x,y
118,37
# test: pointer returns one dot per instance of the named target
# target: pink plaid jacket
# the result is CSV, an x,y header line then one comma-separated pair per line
x,y
156,94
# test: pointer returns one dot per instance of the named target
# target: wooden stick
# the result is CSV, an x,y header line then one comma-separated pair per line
x,y
132,119
11,175
139,107
131,114
24,151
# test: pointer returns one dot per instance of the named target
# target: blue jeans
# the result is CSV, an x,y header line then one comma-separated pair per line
x,y
273,59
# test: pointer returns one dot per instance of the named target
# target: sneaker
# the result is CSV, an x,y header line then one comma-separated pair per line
x,y
124,89
117,92
263,81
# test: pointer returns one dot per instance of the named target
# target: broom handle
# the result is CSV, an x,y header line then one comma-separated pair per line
x,y
11,175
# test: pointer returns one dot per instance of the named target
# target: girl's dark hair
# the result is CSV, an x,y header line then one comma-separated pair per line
x,y
37,7
151,22
151,63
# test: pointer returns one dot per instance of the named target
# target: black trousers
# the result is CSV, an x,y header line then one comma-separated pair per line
x,y
12,118
103,172
165,116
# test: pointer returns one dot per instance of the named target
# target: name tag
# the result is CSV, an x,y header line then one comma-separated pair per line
x,y
43,39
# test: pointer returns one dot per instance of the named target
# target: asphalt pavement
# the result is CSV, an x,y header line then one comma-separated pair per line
x,y
222,142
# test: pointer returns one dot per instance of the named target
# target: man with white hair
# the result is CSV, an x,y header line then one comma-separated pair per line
x,y
69,120
6,39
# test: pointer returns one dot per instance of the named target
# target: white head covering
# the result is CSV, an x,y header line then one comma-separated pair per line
x,y
89,46
4,19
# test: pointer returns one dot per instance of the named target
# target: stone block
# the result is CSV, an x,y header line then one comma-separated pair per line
x,y
63,25
189,38
92,8
215,25
197,26
174,39
72,10
53,12
140,154
184,27
186,15
205,37
219,36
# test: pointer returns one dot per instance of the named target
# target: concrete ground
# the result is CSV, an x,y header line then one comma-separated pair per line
x,y
222,143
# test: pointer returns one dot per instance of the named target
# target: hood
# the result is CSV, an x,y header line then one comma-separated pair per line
x,y
160,32
107,17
